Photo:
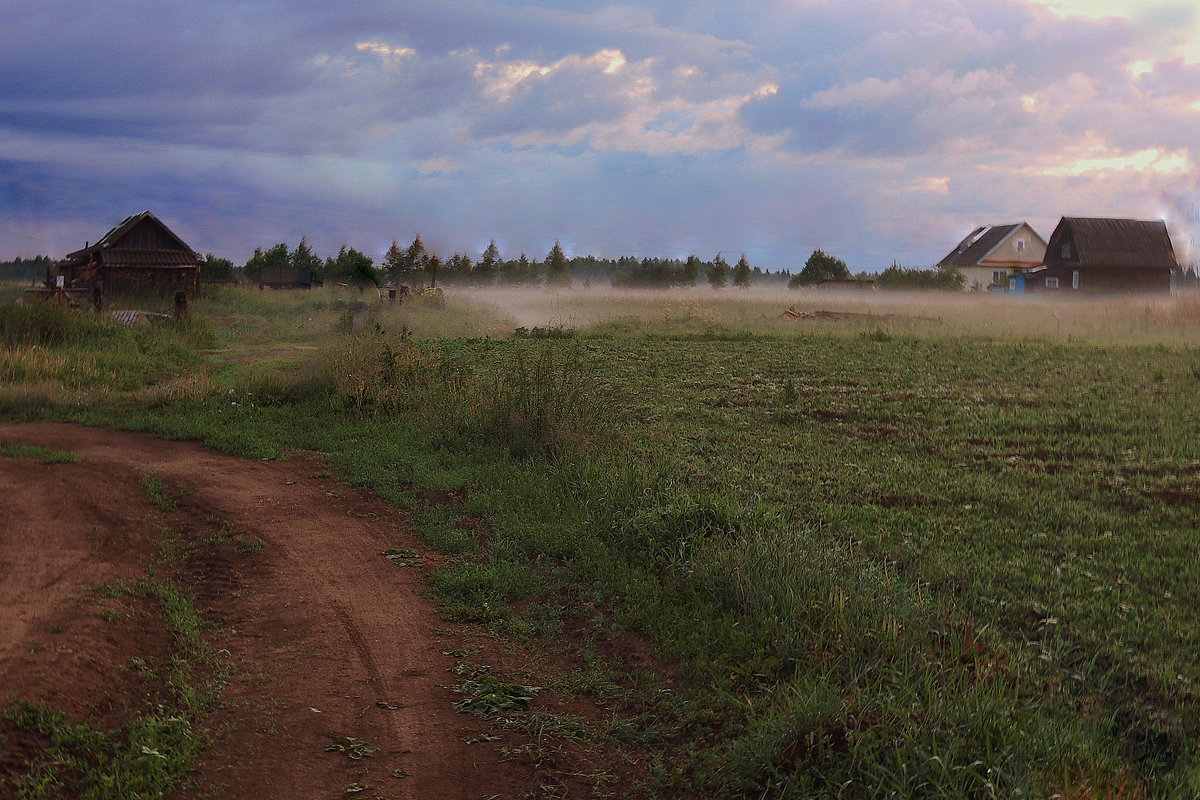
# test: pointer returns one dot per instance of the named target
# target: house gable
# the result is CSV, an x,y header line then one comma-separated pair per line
x,y
1014,245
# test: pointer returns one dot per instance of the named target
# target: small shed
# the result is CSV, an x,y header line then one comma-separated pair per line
x,y
1106,256
287,277
141,254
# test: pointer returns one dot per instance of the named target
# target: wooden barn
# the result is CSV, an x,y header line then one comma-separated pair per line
x,y
139,255
287,277
1106,256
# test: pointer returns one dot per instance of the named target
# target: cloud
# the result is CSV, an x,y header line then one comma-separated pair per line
x,y
874,129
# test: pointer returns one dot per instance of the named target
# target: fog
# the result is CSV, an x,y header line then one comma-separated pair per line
x,y
761,310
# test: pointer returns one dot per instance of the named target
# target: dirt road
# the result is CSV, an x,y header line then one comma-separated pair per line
x,y
327,637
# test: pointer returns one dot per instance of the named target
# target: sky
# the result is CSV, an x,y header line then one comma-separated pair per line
x,y
876,130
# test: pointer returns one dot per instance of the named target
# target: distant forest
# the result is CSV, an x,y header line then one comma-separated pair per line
x,y
416,264
23,270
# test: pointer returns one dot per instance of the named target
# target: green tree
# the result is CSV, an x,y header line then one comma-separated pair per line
x,y
819,268
217,270
353,267
485,271
898,277
558,271
741,273
691,271
396,265
718,272
433,265
415,256
458,268
304,259
522,270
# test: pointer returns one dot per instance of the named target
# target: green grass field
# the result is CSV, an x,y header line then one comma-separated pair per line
x,y
933,548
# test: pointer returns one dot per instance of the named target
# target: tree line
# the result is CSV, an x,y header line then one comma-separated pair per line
x,y
417,264
19,270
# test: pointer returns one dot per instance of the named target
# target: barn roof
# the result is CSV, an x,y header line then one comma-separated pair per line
x,y
981,241
137,257
1101,242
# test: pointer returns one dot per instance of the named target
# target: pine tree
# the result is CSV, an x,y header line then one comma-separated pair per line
x,y
558,271
395,263
718,272
741,273
484,272
303,258
433,266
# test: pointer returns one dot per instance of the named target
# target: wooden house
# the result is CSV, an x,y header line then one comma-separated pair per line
x,y
139,255
1106,256
990,254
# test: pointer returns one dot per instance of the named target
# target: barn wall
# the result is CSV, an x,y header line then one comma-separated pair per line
x,y
152,280
1116,279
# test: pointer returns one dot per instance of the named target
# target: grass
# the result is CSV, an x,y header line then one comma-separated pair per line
x,y
47,455
146,758
157,492
887,556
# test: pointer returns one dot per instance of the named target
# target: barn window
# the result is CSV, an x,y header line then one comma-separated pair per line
x,y
1075,279
1066,250
1051,283
1020,245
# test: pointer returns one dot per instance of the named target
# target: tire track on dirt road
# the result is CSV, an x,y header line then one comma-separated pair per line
x,y
322,626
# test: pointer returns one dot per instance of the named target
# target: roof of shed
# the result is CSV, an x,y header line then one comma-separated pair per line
x,y
1133,243
114,236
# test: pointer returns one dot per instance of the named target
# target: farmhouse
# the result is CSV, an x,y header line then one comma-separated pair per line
x,y
991,253
1105,256
139,255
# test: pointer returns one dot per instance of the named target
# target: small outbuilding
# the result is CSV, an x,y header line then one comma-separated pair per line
x,y
141,254
1107,256
287,277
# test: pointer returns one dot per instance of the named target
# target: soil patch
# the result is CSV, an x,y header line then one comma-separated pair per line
x,y
327,636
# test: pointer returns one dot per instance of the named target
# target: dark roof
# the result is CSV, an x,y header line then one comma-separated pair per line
x,y
971,250
1103,242
115,235
122,257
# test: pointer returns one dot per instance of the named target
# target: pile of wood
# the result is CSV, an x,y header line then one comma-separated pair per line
x,y
795,313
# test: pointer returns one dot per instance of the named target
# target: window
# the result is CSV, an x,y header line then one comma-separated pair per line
x,y
1051,283
999,276
1020,245
1066,250
1075,279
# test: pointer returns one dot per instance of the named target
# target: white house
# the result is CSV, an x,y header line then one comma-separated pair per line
x,y
991,253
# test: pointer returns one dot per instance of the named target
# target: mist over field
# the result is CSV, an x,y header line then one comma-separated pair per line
x,y
1168,319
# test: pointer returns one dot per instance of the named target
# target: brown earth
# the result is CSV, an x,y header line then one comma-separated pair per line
x,y
324,635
